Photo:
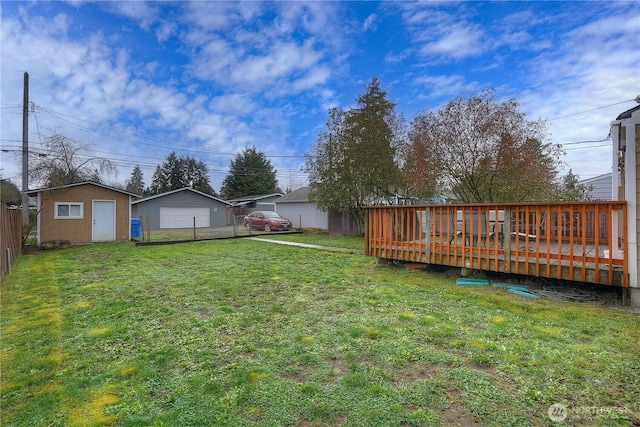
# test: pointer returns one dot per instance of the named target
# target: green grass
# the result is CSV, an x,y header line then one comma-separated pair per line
x,y
320,238
243,333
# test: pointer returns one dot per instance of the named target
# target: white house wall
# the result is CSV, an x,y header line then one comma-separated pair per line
x,y
632,190
627,130
304,215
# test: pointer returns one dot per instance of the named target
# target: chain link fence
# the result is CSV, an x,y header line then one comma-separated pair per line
x,y
183,228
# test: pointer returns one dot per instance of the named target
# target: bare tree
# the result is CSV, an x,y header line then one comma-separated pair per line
x,y
63,161
480,150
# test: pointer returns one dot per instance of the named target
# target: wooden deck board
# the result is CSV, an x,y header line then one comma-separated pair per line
x,y
566,240
526,259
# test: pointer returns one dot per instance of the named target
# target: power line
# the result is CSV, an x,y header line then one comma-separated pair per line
x,y
585,148
589,111
118,132
608,138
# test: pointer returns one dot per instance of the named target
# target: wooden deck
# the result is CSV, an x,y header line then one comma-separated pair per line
x,y
570,241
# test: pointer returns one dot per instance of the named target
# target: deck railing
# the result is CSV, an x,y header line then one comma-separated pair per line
x,y
579,241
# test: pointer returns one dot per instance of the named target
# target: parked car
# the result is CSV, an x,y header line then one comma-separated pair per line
x,y
267,221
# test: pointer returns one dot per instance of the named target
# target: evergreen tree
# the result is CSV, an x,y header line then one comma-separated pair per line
x,y
250,174
135,184
9,193
179,172
353,162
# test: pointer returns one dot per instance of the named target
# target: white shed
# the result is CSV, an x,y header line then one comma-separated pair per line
x,y
303,213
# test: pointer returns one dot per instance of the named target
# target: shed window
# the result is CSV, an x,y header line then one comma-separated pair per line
x,y
66,210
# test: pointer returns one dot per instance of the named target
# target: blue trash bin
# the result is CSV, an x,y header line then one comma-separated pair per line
x,y
136,228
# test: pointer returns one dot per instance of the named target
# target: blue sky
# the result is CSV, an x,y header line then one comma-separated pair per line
x,y
206,79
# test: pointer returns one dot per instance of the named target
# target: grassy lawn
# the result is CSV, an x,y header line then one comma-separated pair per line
x,y
319,238
242,333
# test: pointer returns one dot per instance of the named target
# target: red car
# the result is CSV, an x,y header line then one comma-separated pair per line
x,y
267,221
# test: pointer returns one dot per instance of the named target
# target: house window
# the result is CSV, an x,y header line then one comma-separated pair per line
x,y
66,210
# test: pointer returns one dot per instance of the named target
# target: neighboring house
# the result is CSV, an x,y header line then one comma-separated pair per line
x,y
625,135
83,212
265,202
179,209
303,213
599,187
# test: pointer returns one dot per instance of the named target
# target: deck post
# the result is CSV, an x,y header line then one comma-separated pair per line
x,y
367,227
428,232
507,239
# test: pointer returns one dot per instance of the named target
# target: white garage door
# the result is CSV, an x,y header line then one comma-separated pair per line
x,y
183,217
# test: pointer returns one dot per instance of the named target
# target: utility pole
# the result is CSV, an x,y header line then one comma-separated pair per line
x,y
25,152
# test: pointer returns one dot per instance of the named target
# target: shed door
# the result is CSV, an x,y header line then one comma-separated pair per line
x,y
103,216
183,217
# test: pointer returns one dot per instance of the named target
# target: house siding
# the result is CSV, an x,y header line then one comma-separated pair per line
x,y
80,230
637,145
149,210
304,215
600,187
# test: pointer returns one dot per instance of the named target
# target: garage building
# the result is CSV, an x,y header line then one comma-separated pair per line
x,y
179,209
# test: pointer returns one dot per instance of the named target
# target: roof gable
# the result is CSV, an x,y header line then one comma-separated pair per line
x,y
95,184
156,196
627,114
300,195
599,178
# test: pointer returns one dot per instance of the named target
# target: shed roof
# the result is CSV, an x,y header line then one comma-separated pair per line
x,y
179,190
600,186
76,184
627,114
301,195
240,200
596,178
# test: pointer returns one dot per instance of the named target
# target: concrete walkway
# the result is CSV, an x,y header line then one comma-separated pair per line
x,y
306,245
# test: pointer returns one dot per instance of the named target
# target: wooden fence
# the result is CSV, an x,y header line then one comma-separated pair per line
x,y
582,241
10,237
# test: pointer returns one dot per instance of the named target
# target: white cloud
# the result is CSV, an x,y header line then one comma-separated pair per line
x,y
165,31
313,78
445,86
370,22
273,55
457,41
588,69
234,103
209,15
143,12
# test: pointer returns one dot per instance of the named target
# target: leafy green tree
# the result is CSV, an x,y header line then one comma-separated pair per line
x,y
326,164
135,184
63,161
250,173
9,193
481,150
569,189
353,162
179,172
